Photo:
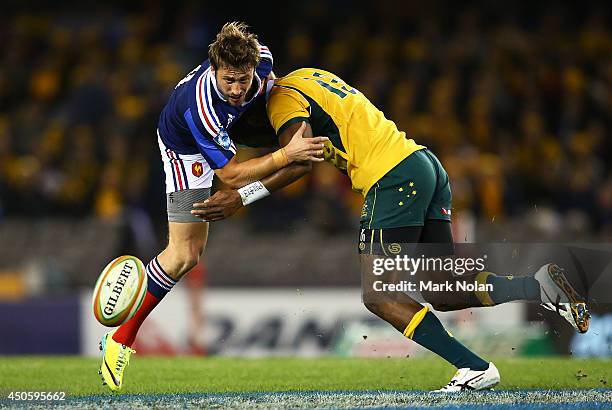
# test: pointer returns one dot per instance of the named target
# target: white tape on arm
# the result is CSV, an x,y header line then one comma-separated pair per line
x,y
253,192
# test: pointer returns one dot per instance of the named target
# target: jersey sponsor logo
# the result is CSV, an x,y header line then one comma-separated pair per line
x,y
362,239
395,248
197,169
364,210
223,139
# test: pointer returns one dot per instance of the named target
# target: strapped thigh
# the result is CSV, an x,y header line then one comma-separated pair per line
x,y
180,204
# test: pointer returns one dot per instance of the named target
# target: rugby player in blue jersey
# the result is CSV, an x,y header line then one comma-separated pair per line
x,y
195,145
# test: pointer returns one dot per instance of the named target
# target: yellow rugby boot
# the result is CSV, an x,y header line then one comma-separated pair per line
x,y
115,358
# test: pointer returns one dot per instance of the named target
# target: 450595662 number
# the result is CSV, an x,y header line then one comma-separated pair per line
x,y
37,396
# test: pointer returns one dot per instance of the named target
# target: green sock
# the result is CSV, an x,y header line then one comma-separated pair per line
x,y
509,288
431,334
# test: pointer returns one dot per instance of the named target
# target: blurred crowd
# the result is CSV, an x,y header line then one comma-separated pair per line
x,y
516,103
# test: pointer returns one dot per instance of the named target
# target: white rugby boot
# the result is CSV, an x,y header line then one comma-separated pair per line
x,y
467,380
558,295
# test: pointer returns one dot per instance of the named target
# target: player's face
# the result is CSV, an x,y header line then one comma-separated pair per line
x,y
234,83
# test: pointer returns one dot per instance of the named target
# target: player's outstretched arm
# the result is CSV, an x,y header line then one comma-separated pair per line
x,y
225,203
238,174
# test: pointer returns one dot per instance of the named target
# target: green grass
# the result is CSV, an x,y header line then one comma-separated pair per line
x,y
78,376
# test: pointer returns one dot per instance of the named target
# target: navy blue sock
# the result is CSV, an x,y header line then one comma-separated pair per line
x,y
509,288
430,334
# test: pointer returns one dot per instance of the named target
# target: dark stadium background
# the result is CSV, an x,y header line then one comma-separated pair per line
x,y
515,99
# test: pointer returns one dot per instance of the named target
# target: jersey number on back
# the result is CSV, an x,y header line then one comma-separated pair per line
x,y
333,84
188,76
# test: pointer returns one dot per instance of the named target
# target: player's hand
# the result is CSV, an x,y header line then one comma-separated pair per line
x,y
221,205
305,149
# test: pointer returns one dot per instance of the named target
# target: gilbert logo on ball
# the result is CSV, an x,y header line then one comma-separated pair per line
x,y
119,291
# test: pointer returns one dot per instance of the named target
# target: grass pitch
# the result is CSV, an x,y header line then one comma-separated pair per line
x,y
321,383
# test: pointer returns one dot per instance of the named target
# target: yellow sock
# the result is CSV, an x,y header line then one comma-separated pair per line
x,y
482,295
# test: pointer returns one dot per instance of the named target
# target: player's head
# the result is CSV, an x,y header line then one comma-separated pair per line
x,y
233,56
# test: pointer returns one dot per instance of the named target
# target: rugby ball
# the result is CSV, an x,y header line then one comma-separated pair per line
x,y
119,291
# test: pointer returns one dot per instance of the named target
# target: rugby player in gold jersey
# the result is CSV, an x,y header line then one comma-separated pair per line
x,y
407,200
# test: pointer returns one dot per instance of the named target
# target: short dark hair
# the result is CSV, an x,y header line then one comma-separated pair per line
x,y
234,47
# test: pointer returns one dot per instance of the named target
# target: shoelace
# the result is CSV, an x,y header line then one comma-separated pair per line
x,y
450,384
555,307
124,354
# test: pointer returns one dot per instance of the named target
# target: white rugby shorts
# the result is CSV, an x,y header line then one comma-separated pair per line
x,y
184,171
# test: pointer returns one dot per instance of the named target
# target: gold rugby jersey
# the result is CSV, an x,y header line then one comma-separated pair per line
x,y
364,143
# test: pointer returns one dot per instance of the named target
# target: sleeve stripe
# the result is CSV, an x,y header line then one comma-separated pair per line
x,y
201,108
208,99
208,111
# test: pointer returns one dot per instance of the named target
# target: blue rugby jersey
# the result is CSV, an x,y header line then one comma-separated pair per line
x,y
197,116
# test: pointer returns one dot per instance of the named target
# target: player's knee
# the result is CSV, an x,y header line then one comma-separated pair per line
x,y
186,256
191,255
189,261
